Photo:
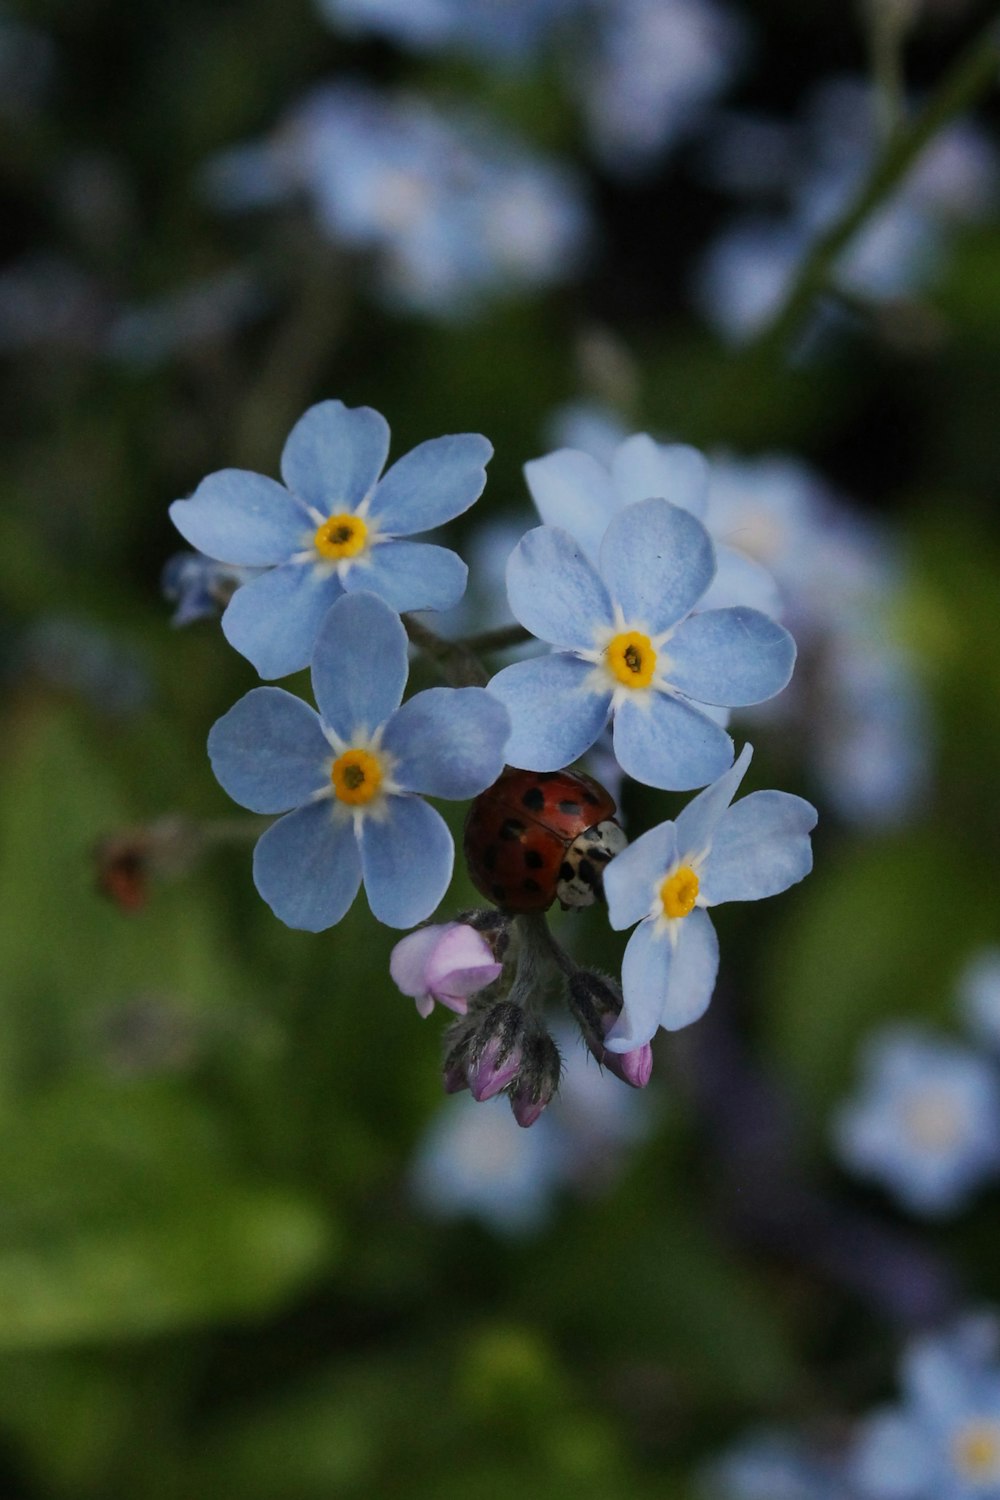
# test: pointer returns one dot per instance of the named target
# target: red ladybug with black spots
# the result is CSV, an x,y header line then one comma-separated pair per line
x,y
537,836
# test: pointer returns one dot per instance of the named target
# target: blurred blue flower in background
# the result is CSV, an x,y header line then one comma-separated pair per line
x,y
633,649
979,996
351,774
924,1121
817,165
200,587
334,525
489,28
456,210
773,1465
943,1441
668,878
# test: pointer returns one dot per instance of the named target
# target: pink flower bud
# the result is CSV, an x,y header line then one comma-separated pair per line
x,y
446,962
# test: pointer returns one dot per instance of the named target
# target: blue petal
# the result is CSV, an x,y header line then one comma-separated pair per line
x,y
657,560
572,491
274,620
410,575
730,657
239,517
643,470
448,742
760,847
742,580
334,455
269,751
893,1455
407,858
665,742
633,878
554,591
646,967
693,972
698,821
554,716
359,666
307,866
432,484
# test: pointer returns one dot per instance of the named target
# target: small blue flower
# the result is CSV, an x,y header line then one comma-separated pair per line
x,y
334,525
773,1465
925,1121
199,586
633,649
351,773
669,877
943,1441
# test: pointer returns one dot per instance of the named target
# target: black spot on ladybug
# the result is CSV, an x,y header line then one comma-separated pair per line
x,y
566,871
533,799
571,809
533,859
587,872
530,885
602,855
589,797
510,828
499,892
489,856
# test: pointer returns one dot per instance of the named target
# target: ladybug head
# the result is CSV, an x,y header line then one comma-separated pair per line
x,y
582,870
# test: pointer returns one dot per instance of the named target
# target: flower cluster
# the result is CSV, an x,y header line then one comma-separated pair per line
x,y
648,634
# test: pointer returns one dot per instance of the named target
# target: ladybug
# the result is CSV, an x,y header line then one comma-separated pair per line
x,y
535,836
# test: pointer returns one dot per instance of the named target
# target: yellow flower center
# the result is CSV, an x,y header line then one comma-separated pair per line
x,y
340,537
631,658
679,892
976,1451
356,777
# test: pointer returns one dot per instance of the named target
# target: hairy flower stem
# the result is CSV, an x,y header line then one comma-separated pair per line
x,y
538,954
457,664
973,73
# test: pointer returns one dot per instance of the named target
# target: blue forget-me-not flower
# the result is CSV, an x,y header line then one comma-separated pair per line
x,y
979,996
629,646
925,1121
670,876
943,1441
333,526
348,779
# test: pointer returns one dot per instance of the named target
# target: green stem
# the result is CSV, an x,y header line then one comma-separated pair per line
x,y
457,664
973,73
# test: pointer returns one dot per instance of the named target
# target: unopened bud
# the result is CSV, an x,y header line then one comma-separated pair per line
x,y
596,1003
495,1055
446,962
538,1078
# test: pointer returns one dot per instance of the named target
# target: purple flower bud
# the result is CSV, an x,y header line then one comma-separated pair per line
x,y
537,1080
596,1003
445,963
495,1055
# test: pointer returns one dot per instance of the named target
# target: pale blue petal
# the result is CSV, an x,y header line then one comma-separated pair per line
x,y
892,1458
432,484
274,620
410,575
742,580
236,516
572,491
407,859
554,716
698,821
448,742
334,455
307,866
760,847
665,742
360,665
554,591
269,751
643,470
646,967
633,878
657,560
730,656
693,971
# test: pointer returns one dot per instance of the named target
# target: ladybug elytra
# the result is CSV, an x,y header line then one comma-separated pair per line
x,y
537,836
